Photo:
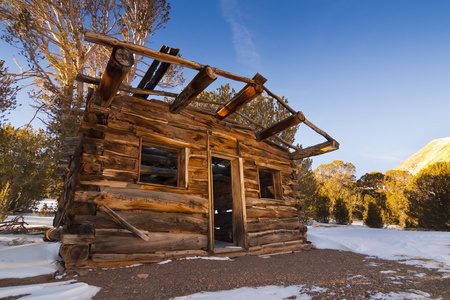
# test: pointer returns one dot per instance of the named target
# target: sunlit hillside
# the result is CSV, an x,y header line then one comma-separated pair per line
x,y
436,151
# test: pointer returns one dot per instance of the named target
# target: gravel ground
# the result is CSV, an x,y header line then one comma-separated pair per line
x,y
343,274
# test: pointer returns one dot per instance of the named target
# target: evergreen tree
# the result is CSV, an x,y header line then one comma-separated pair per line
x,y
428,197
373,185
321,208
27,170
372,215
341,213
396,182
337,181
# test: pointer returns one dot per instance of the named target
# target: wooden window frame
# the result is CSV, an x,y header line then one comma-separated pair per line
x,y
276,179
182,167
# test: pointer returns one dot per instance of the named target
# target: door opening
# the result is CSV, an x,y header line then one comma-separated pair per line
x,y
223,201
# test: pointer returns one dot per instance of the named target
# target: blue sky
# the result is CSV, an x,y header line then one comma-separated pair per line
x,y
372,74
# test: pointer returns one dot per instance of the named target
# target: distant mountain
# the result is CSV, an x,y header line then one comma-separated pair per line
x,y
436,151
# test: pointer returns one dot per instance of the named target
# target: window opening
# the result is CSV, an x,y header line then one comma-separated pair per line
x,y
159,166
266,184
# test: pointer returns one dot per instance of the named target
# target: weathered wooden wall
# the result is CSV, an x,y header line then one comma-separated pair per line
x,y
105,170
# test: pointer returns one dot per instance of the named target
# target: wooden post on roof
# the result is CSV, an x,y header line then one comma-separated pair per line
x,y
200,82
315,150
280,126
247,94
119,65
149,74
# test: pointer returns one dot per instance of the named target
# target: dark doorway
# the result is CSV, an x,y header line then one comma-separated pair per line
x,y
223,200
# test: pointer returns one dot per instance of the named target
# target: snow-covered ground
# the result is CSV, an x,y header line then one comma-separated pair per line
x,y
27,255
430,249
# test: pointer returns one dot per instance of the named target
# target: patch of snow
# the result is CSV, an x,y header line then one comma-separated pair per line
x,y
425,248
270,292
56,290
207,258
164,262
388,272
413,294
51,204
28,259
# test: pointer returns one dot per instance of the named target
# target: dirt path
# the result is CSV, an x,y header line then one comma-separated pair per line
x,y
343,274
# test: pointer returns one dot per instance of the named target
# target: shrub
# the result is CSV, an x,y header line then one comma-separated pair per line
x,y
322,208
372,216
341,213
429,198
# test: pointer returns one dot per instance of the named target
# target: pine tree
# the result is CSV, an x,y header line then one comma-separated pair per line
x,y
341,213
428,197
372,215
27,171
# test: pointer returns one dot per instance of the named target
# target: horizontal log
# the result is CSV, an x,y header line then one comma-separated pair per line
x,y
263,202
149,221
147,257
280,126
163,172
134,199
271,212
264,224
272,236
110,161
74,239
108,41
200,82
315,150
150,159
123,243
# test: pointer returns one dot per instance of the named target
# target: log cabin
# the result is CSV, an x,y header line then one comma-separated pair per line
x,y
151,180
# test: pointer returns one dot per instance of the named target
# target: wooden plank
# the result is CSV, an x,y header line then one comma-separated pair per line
x,y
271,212
123,198
117,69
273,236
108,41
200,82
163,67
123,243
280,126
245,95
210,196
279,100
149,74
315,150
170,141
77,239
147,257
318,130
263,224
119,220
149,221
